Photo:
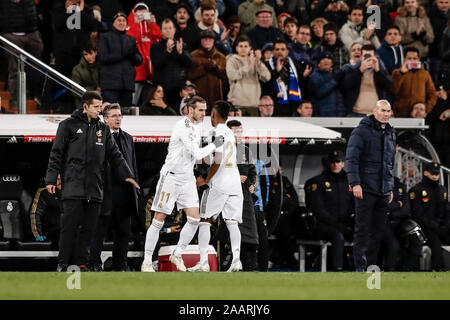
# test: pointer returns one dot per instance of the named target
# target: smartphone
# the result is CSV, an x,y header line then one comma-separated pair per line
x,y
147,15
414,65
367,56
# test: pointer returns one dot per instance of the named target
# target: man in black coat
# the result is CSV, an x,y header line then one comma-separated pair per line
x,y
430,208
332,203
263,32
187,29
118,55
248,227
120,202
81,147
369,164
171,58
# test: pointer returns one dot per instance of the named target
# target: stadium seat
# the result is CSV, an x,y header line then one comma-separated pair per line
x,y
13,208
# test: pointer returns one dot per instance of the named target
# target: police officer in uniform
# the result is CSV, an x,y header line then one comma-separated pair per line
x,y
429,208
398,210
331,201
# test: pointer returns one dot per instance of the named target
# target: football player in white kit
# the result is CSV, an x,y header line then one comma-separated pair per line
x,y
177,182
224,194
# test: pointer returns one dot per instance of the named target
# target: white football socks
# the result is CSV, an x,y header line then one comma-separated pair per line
x,y
235,238
186,235
204,236
151,239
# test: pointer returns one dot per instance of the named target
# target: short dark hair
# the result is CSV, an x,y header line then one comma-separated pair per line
x,y
279,40
412,49
233,123
393,27
303,102
108,108
368,47
356,7
304,26
206,8
290,20
166,20
88,96
243,38
192,102
222,107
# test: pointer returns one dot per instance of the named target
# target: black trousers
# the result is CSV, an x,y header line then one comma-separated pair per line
x,y
78,222
435,244
391,249
332,234
249,256
263,247
121,223
370,221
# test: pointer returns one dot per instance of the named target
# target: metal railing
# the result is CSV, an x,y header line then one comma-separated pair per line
x,y
24,58
410,172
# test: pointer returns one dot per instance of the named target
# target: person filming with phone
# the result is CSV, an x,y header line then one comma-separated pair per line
x,y
411,84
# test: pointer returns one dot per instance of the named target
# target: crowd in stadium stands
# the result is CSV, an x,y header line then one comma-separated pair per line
x,y
299,58
341,56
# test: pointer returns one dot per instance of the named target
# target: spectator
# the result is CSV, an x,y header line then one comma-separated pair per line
x,y
218,4
355,53
412,83
364,84
234,25
19,24
208,22
415,27
186,26
317,27
353,30
264,31
444,53
118,55
266,106
286,81
187,91
171,58
325,95
332,11
419,110
302,49
281,18
267,51
438,17
244,71
235,112
249,9
165,9
332,44
391,51
209,69
142,26
68,40
154,103
86,73
290,29
439,133
304,110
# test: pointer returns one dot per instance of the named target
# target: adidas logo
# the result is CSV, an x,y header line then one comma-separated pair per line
x,y
80,131
12,140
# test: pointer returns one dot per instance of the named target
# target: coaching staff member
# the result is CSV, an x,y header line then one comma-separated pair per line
x,y
81,147
120,198
369,164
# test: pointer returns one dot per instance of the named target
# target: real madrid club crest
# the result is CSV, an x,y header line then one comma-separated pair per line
x,y
400,190
412,195
314,187
424,193
327,184
99,137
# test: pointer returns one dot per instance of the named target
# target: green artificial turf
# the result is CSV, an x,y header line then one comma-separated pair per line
x,y
224,286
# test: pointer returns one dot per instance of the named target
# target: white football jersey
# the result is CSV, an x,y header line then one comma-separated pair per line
x,y
184,148
227,178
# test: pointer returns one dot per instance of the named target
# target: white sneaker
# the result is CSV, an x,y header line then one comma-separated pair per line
x,y
235,266
199,267
178,262
147,267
